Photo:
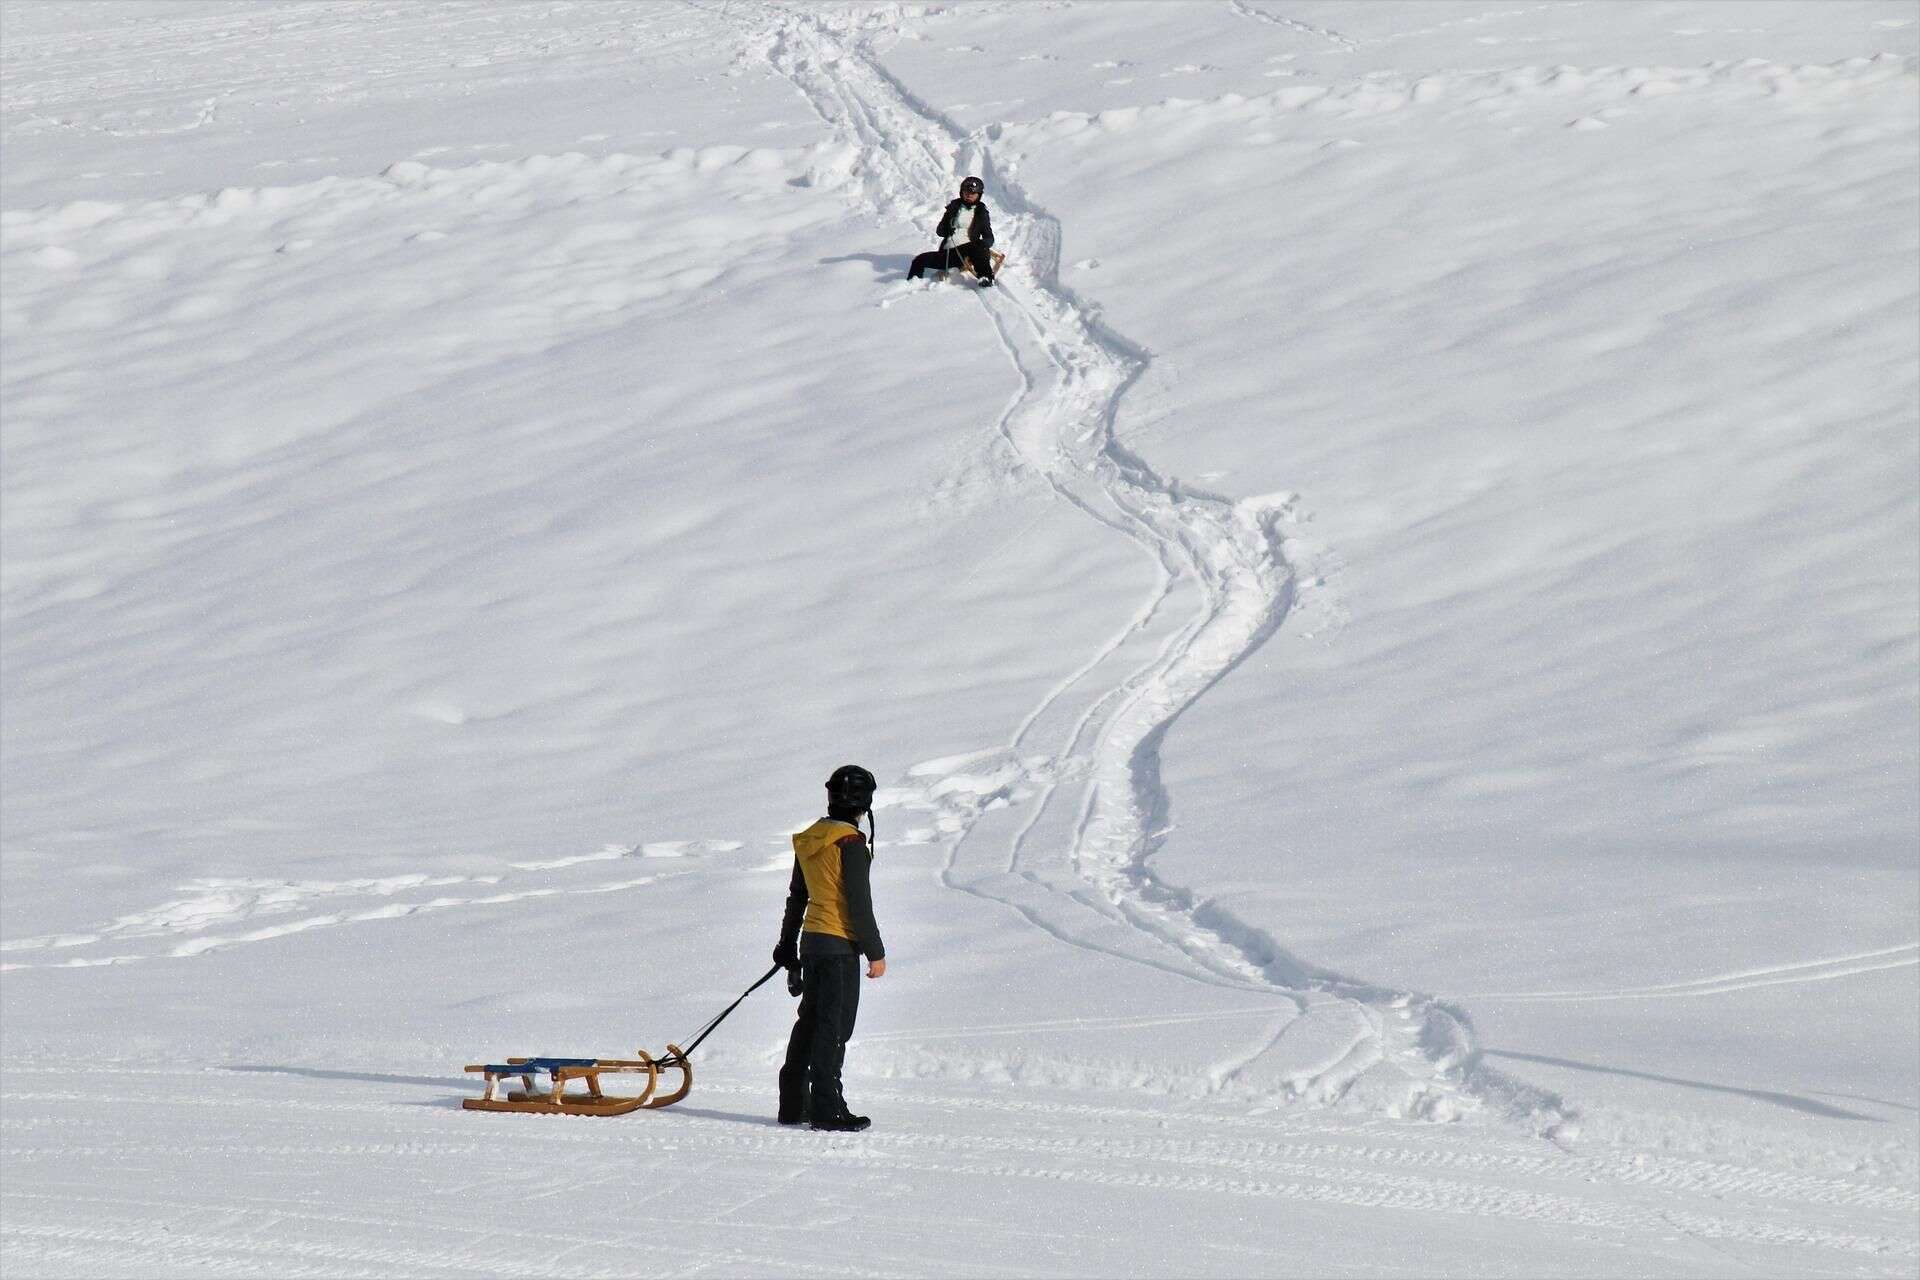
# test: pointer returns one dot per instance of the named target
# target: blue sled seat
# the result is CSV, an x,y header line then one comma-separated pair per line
x,y
535,1064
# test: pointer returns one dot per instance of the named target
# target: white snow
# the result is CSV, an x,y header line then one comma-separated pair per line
x,y
1392,652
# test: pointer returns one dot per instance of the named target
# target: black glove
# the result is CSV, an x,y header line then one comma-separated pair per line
x,y
795,983
786,956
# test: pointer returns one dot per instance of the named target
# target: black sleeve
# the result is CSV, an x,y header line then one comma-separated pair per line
x,y
945,227
796,908
855,862
983,227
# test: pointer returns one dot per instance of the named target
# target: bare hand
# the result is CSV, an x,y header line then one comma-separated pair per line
x,y
876,968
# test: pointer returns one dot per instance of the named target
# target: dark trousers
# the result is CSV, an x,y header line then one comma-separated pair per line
x,y
978,254
828,1005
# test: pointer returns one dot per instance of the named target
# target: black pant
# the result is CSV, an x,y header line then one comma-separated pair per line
x,y
933,260
828,1006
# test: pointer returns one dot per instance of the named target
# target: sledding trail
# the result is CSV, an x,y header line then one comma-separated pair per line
x,y
344,1180
1904,956
1063,823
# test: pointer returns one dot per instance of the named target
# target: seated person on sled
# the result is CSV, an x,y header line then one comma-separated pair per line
x,y
977,242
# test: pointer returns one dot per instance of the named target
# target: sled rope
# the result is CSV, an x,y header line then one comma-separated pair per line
x,y
679,1056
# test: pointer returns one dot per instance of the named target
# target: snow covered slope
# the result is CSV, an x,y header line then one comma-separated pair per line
x,y
1389,641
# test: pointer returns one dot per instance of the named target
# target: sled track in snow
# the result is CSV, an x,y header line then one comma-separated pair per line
x,y
1310,1160
1210,1141
1072,848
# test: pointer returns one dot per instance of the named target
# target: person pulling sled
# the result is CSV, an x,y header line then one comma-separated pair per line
x,y
827,927
966,218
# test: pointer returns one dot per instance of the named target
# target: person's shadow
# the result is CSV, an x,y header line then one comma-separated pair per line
x,y
883,264
735,1117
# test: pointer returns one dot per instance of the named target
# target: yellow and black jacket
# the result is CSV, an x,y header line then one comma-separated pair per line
x,y
830,901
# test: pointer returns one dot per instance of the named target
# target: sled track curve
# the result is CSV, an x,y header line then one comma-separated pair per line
x,y
1077,862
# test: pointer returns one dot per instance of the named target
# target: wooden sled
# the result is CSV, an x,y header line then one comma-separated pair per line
x,y
966,264
554,1100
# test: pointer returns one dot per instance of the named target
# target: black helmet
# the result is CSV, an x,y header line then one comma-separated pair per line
x,y
851,787
972,186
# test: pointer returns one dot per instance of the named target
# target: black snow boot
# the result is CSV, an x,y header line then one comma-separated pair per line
x,y
844,1122
793,1097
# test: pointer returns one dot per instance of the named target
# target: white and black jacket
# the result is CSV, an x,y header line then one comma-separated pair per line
x,y
979,231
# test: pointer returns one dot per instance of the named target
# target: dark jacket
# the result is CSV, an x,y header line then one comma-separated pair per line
x,y
979,231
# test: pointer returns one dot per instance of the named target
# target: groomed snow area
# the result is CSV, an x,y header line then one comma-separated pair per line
x,y
1390,640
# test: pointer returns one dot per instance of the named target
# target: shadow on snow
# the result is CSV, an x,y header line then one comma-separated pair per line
x,y
1792,1101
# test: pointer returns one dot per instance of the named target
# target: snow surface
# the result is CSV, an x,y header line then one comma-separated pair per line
x,y
1391,641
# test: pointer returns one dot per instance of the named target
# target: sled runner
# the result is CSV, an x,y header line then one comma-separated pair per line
x,y
555,1100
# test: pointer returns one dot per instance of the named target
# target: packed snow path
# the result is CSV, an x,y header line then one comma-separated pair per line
x,y
1062,824
493,1198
